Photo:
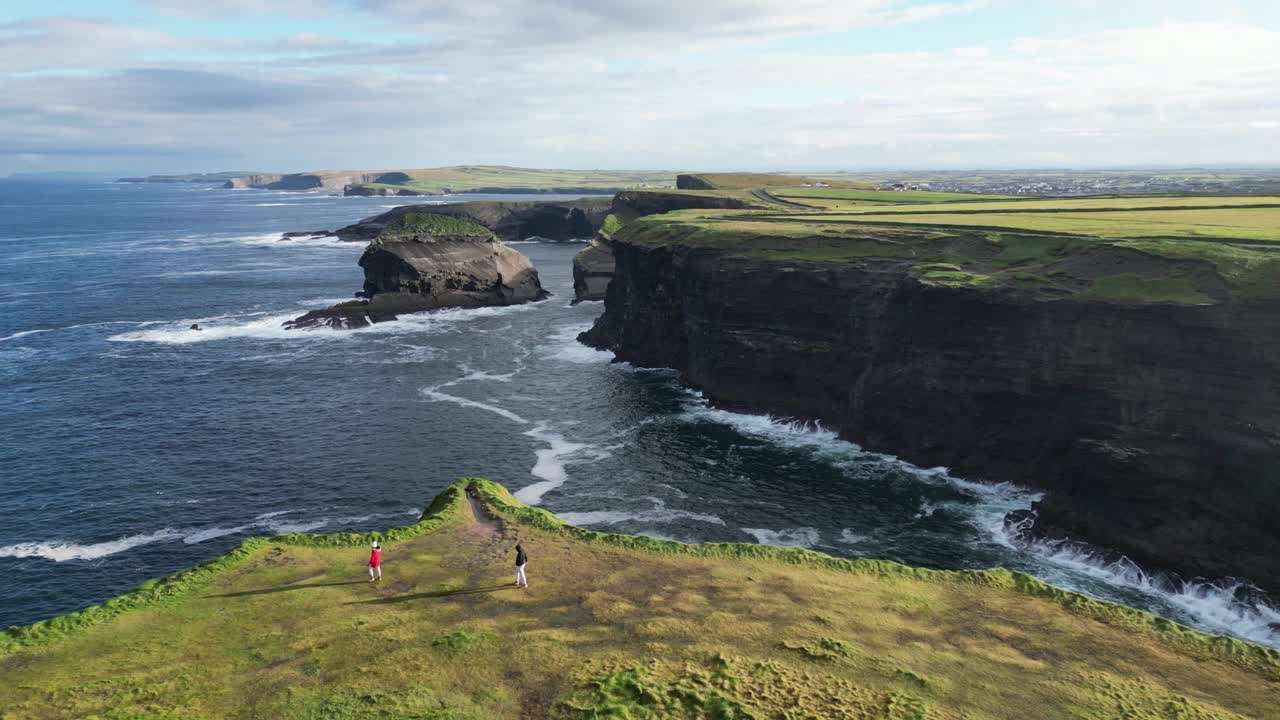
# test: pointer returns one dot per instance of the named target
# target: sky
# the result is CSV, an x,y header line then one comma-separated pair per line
x,y
160,86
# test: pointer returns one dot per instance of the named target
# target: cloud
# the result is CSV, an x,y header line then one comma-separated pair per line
x,y
655,27
232,8
672,84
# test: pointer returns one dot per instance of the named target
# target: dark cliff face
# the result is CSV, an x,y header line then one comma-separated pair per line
x,y
593,266
1154,429
592,271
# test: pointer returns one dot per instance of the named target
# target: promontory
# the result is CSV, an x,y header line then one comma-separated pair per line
x,y
1119,353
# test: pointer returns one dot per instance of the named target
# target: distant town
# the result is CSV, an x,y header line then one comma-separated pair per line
x,y
1083,182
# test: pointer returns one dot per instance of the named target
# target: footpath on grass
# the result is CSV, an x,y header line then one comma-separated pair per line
x,y
610,626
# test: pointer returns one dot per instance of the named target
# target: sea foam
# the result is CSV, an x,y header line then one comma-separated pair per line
x,y
64,550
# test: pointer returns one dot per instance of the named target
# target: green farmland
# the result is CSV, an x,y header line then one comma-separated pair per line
x,y
1190,250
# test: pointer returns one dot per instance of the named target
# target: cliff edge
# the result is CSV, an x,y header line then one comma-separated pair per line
x,y
610,626
1133,380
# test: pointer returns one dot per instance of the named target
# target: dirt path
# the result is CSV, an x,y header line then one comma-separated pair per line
x,y
488,538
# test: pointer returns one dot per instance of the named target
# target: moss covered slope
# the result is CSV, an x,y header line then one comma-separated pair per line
x,y
611,626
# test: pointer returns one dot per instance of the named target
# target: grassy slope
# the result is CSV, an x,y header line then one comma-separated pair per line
x,y
873,195
613,626
471,177
417,224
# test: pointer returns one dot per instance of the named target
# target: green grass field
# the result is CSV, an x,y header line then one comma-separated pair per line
x,y
1239,223
1095,204
878,196
611,627
1152,249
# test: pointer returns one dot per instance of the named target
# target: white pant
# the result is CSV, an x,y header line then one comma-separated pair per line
x,y
372,569
520,579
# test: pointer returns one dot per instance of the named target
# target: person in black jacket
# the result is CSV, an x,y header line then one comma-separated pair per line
x,y
521,559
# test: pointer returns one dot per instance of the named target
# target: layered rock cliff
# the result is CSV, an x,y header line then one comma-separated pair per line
x,y
1154,428
302,182
425,261
593,266
550,220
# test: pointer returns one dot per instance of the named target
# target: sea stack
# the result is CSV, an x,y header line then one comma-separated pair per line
x,y
426,261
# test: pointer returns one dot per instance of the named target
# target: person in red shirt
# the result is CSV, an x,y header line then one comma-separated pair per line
x,y
375,563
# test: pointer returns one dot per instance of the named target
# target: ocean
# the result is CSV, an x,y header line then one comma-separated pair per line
x,y
132,446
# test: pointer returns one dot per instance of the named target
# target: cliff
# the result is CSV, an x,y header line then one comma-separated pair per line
x,y
610,626
301,182
593,266
1138,389
550,220
425,261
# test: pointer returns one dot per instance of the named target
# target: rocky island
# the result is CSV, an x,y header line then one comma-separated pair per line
x,y
1118,353
426,261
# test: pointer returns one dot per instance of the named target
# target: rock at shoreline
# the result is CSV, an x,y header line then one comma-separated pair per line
x,y
307,233
427,261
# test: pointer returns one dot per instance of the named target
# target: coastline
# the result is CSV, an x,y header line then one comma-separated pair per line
x,y
445,510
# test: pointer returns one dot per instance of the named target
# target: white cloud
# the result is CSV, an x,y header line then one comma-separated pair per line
x,y
666,83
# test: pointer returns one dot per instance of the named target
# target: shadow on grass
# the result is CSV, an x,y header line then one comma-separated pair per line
x,y
429,595
286,588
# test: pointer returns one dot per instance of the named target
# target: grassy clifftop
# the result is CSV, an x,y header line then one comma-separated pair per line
x,y
611,626
1189,250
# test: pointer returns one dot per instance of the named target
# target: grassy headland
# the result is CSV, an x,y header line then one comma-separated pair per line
x,y
1197,250
611,627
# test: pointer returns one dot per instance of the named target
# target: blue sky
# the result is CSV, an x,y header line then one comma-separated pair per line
x,y
174,86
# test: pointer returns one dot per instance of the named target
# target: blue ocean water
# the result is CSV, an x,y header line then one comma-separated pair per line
x,y
132,446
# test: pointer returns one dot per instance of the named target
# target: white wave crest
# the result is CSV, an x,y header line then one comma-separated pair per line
x,y
564,346
267,326
25,333
437,396
659,514
786,537
260,326
552,461
200,536
37,331
849,537
281,528
1231,607
63,550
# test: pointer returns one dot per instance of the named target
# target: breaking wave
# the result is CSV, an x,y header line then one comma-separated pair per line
x,y
64,550
270,326
1229,606
553,461
787,537
659,514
